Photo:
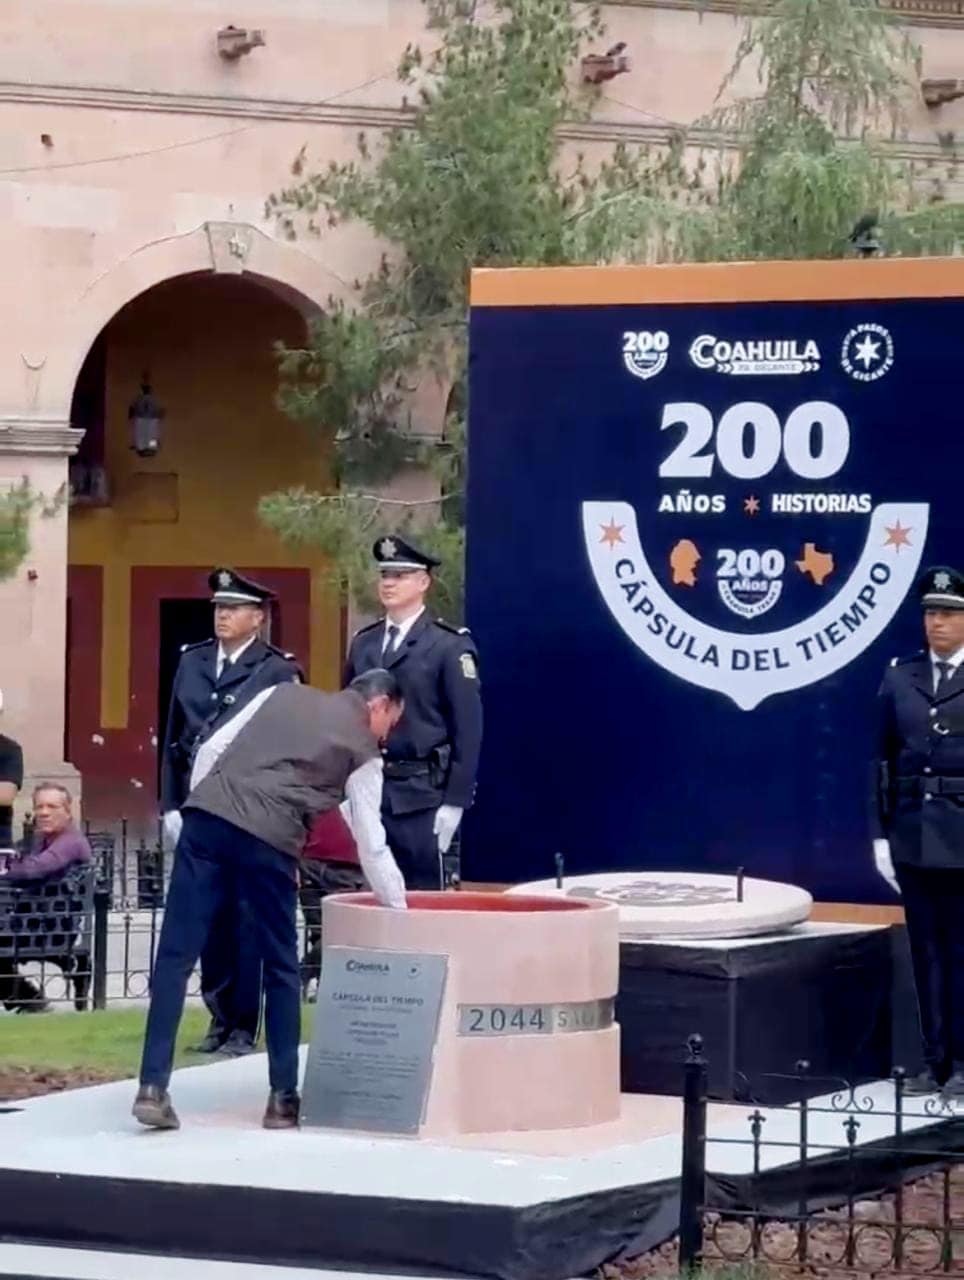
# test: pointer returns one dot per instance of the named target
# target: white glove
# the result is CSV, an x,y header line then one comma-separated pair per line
x,y
885,863
447,819
172,823
345,810
385,880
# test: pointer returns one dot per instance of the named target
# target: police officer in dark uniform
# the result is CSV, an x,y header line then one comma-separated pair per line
x,y
213,682
919,821
432,756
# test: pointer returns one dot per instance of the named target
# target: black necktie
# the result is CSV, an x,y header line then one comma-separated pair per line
x,y
390,639
943,675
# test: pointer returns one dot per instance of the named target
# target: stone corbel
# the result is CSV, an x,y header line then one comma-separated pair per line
x,y
35,433
937,92
230,244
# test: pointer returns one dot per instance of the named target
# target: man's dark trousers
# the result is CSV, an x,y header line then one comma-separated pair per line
x,y
414,844
215,862
231,973
934,908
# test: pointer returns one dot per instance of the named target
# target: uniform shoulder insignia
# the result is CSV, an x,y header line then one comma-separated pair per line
x,y
198,644
282,653
448,626
910,657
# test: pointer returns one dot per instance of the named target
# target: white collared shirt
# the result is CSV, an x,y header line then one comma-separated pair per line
x,y
403,629
954,660
232,657
363,802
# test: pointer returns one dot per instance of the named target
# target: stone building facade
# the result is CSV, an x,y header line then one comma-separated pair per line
x,y
135,159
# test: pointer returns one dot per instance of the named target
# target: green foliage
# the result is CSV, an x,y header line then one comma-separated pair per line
x,y
17,505
480,178
835,79
347,523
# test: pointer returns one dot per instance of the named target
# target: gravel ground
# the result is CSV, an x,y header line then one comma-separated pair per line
x,y
727,1244
28,1082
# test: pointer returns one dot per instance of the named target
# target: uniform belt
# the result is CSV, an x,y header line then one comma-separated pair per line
x,y
397,769
935,786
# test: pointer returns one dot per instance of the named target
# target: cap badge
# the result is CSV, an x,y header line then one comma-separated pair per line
x,y
942,581
388,548
224,578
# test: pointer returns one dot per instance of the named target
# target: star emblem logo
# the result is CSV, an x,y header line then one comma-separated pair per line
x,y
612,532
224,578
388,548
867,352
751,505
942,581
897,537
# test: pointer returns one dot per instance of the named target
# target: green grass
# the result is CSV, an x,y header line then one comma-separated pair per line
x,y
108,1041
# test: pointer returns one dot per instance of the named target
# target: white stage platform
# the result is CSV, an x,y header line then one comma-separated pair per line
x,y
40,1262
76,1169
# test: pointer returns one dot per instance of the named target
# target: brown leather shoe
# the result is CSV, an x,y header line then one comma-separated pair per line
x,y
282,1110
152,1107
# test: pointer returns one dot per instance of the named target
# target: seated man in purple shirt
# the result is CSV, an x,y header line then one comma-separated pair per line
x,y
57,842
57,845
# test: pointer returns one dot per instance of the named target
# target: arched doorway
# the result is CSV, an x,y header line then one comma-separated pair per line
x,y
145,530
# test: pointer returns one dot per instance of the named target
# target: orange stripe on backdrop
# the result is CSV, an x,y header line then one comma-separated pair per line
x,y
718,282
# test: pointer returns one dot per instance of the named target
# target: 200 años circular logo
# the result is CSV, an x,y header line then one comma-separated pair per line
x,y
749,522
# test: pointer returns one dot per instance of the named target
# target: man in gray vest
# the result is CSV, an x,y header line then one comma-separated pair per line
x,y
257,785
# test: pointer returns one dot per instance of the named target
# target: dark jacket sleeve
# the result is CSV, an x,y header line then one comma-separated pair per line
x,y
172,773
64,851
291,671
351,668
883,768
460,688
11,762
281,670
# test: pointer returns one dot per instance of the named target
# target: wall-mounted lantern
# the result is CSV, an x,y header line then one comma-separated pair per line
x,y
145,416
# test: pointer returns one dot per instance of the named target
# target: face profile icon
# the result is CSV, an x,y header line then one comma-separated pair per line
x,y
683,560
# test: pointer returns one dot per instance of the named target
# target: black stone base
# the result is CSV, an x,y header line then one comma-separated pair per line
x,y
760,1008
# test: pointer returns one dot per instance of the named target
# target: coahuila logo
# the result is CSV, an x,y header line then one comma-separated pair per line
x,y
367,966
771,355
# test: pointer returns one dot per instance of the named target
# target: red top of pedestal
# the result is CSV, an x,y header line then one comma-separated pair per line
x,y
429,900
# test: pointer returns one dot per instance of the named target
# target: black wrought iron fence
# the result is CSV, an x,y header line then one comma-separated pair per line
x,y
847,1179
89,938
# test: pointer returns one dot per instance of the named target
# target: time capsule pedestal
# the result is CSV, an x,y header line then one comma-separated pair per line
x,y
466,1013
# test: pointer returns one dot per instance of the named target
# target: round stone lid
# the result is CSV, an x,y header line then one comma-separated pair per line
x,y
685,904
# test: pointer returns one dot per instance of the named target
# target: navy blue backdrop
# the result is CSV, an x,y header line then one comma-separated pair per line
x,y
592,747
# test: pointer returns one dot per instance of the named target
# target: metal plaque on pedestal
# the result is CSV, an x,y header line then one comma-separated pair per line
x,y
370,1060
